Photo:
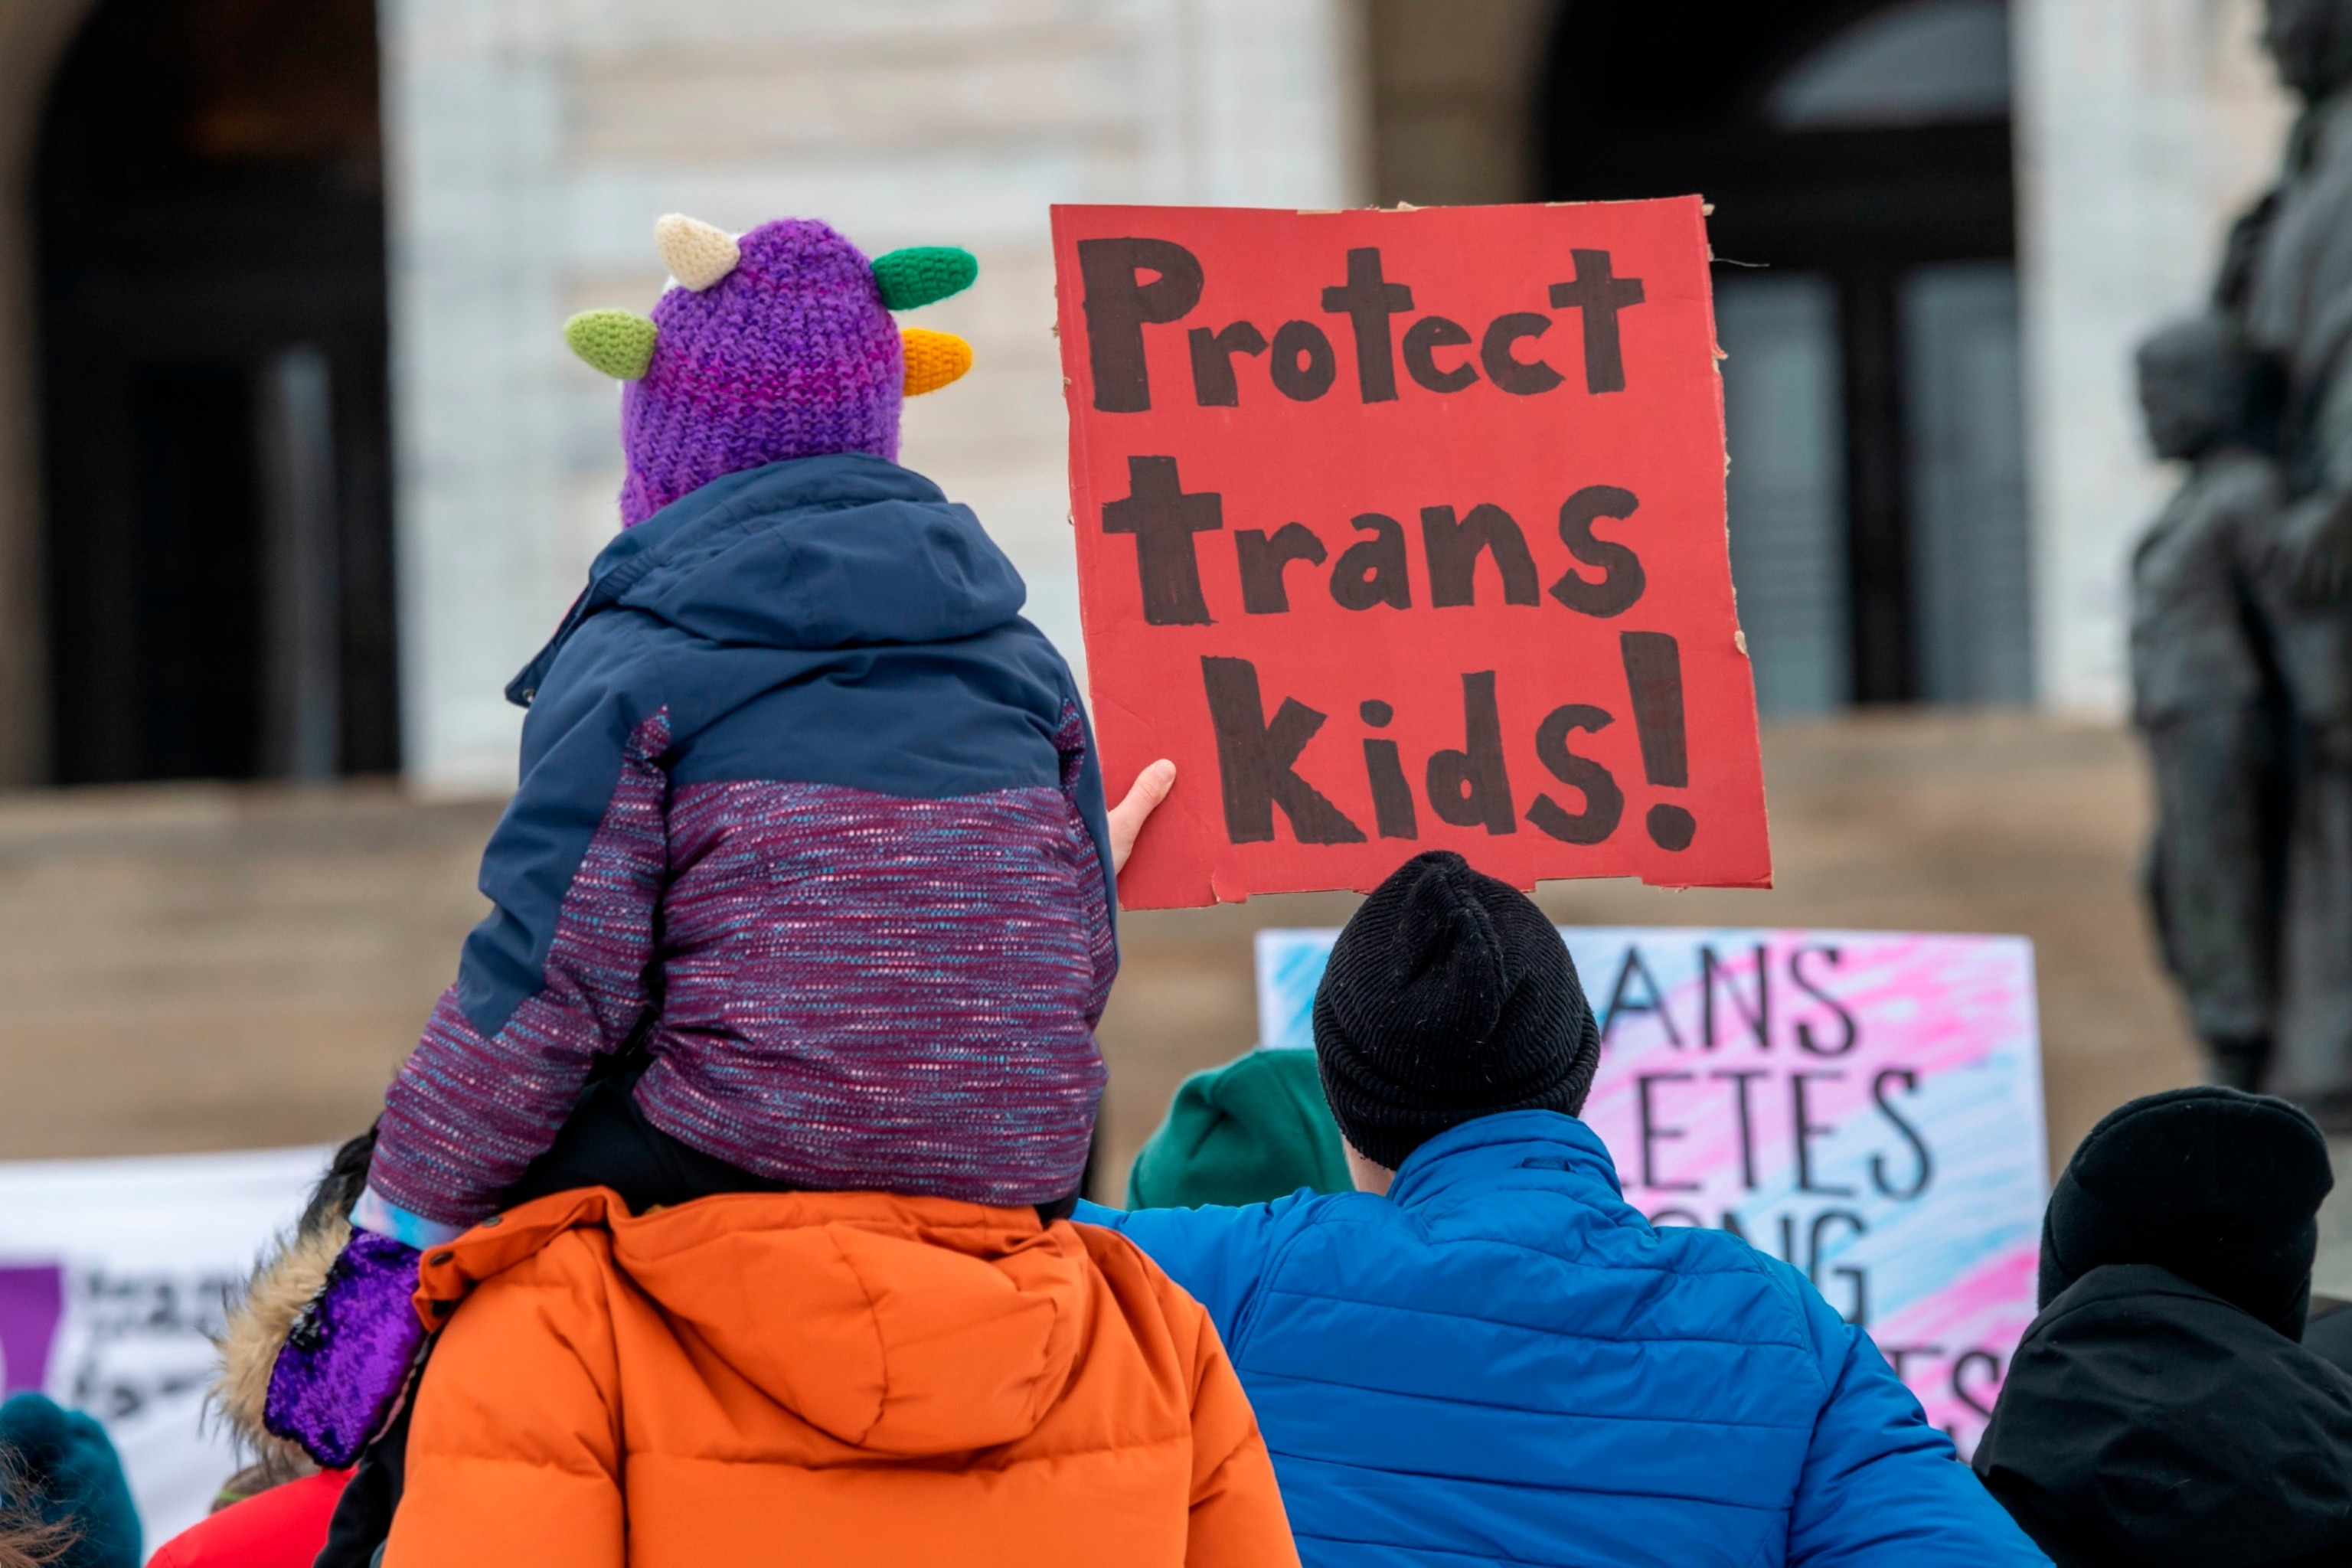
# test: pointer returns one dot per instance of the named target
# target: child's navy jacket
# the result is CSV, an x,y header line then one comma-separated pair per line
x,y
810,813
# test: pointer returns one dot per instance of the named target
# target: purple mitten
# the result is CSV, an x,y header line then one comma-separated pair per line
x,y
344,1364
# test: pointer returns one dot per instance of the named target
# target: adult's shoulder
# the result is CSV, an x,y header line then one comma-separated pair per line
x,y
2123,1293
551,1260
1222,1255
1541,1248
2151,1420
1161,1232
1771,1301
2157,1358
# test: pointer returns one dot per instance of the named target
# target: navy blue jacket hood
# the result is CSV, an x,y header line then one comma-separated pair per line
x,y
842,550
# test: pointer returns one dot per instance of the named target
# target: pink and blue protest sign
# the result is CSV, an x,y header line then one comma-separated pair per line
x,y
1866,1105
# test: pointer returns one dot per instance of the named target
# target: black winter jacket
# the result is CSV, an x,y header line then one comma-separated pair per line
x,y
2147,1422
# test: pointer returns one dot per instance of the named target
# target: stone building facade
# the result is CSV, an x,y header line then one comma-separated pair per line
x,y
527,146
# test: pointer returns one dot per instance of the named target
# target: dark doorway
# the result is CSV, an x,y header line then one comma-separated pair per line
x,y
210,212
1857,153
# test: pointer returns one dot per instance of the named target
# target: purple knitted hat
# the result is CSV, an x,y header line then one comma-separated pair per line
x,y
774,345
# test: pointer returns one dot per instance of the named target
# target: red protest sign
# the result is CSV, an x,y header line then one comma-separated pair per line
x,y
1403,531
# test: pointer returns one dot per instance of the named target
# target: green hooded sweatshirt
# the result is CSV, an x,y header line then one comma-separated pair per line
x,y
1251,1130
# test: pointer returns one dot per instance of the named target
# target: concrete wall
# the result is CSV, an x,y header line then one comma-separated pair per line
x,y
532,143
1453,98
2143,127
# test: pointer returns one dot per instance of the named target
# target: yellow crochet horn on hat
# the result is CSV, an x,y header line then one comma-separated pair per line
x,y
921,275
933,359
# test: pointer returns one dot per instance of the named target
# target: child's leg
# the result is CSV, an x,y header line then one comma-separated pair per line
x,y
608,1142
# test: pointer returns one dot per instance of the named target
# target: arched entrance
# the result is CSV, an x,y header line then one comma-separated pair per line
x,y
209,215
1858,156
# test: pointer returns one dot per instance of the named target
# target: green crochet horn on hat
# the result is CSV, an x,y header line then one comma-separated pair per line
x,y
618,342
923,273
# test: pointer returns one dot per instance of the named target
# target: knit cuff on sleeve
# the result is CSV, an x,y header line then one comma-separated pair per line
x,y
376,1213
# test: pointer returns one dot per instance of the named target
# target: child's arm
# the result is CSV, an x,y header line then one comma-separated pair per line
x,y
1879,1484
1097,869
556,975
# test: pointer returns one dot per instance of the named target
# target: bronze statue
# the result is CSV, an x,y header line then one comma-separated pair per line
x,y
2200,690
2243,632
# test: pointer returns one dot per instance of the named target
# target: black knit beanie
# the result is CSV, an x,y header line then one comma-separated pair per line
x,y
1448,998
2220,1187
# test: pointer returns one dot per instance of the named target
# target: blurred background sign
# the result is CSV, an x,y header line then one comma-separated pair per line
x,y
1863,1105
113,1274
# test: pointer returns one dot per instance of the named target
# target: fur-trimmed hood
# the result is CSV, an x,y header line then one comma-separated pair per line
x,y
262,1314
259,1318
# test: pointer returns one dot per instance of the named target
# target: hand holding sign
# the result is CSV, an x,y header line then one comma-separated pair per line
x,y
1127,818
1260,400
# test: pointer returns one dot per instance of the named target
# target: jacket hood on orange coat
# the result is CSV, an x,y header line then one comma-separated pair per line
x,y
918,1326
829,1340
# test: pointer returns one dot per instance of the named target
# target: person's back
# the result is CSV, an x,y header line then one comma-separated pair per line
x,y
829,1377
2160,1410
1501,1361
1494,1358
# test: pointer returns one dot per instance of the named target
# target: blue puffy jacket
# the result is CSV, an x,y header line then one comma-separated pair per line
x,y
1503,1361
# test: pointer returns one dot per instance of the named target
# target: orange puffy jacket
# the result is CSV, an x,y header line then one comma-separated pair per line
x,y
848,1378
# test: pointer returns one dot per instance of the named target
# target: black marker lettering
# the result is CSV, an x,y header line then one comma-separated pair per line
x,y
1523,377
1304,365
1254,758
1653,1134
1117,309
1605,802
1961,1365
1850,1031
1368,301
1372,571
1264,593
1816,1243
1599,295
1910,1134
1759,1022
1803,1130
1619,1002
1421,342
1739,1078
1622,579
1393,807
1163,519
1469,788
1214,384
1453,548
